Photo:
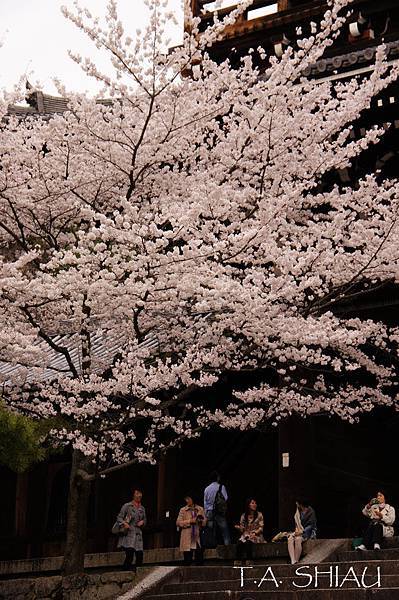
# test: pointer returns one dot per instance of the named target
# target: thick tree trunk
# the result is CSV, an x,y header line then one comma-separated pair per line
x,y
78,501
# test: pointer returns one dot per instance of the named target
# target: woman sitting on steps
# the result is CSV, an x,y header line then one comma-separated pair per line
x,y
305,529
382,518
251,529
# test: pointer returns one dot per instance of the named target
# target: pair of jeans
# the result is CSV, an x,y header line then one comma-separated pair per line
x,y
220,523
309,533
129,556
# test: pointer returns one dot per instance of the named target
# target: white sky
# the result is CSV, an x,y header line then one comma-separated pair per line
x,y
36,37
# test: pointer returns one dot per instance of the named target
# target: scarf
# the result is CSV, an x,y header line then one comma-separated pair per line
x,y
193,515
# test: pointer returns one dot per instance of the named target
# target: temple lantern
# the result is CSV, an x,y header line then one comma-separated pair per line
x,y
360,28
280,45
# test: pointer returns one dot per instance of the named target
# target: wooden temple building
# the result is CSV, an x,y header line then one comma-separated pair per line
x,y
337,466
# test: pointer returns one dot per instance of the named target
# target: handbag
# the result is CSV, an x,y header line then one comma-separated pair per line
x,y
356,542
117,529
282,536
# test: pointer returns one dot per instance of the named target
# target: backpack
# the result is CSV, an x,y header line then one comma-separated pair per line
x,y
220,504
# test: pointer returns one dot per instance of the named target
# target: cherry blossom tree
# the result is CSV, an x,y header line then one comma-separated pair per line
x,y
172,257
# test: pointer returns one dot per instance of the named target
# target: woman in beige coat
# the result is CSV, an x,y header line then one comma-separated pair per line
x,y
190,521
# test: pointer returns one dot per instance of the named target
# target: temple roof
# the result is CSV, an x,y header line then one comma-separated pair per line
x,y
103,350
40,104
275,24
349,61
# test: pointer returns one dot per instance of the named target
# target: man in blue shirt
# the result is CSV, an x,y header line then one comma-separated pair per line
x,y
215,518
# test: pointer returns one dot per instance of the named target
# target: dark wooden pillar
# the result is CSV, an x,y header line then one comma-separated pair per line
x,y
36,514
295,467
166,500
21,504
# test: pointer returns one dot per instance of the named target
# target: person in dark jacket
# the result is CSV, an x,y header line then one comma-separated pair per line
x,y
305,529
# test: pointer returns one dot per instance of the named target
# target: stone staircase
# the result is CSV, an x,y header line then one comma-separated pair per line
x,y
213,583
348,575
328,571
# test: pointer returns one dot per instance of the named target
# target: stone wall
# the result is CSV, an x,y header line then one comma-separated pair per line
x,y
101,586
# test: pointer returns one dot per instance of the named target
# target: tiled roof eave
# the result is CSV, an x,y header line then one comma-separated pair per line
x,y
351,60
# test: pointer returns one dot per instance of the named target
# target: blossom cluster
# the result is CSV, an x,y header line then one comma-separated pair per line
x,y
186,224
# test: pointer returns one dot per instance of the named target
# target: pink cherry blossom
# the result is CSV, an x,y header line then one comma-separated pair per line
x,y
171,259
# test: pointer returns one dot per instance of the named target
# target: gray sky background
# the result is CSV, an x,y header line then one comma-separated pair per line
x,y
36,38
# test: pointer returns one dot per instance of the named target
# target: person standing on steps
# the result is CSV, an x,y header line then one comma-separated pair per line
x,y
215,505
382,518
131,520
305,529
191,520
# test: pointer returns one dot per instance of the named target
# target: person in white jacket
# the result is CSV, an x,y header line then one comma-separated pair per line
x,y
382,518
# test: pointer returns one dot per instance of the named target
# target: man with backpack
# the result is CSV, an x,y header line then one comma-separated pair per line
x,y
215,505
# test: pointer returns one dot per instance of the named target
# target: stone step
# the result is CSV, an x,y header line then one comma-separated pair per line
x,y
390,542
285,583
270,552
152,556
216,573
309,594
362,555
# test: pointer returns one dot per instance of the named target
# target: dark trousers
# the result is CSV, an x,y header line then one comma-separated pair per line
x,y
198,556
129,556
244,550
373,535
